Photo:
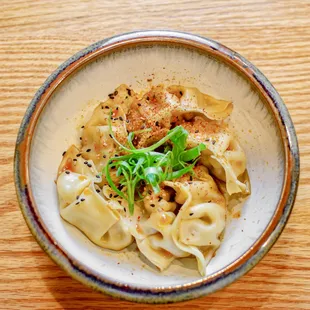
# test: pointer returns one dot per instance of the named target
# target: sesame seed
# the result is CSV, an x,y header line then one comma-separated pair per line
x,y
98,176
152,205
85,162
120,118
74,159
78,155
191,214
139,104
191,178
196,131
127,121
88,150
207,139
129,91
110,135
213,142
77,203
115,119
77,197
107,107
116,108
82,126
115,93
181,93
115,196
82,199
89,165
110,195
80,138
67,172
98,190
147,98
111,96
124,209
160,198
63,154
157,123
104,156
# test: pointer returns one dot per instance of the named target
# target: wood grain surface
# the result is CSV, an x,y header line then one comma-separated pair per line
x,y
37,36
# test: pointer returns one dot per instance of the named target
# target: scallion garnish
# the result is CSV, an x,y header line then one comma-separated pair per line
x,y
147,166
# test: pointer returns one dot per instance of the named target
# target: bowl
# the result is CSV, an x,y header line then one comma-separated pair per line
x,y
259,118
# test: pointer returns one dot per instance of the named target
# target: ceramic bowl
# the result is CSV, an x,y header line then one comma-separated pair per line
x,y
259,118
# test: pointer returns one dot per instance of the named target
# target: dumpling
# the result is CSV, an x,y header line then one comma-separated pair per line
x,y
200,221
73,161
97,144
224,156
155,241
91,214
194,102
153,111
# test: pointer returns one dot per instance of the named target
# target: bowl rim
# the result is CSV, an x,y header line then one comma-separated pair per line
x,y
202,286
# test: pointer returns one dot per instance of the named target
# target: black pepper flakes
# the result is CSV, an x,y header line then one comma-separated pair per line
x,y
88,150
64,153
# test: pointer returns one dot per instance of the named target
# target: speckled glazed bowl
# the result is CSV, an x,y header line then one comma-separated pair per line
x,y
259,118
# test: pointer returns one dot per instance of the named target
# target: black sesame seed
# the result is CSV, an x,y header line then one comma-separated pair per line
x,y
82,199
88,150
89,165
120,118
181,93
115,93
82,126
110,135
127,121
110,195
77,197
98,190
78,155
207,139
139,104
147,98
111,96
196,131
209,201
85,162
115,196
116,118
124,209
116,108
63,154
107,107
80,138
67,172
160,198
157,123
152,205
102,107
149,192
213,142
191,214
74,159
77,203
104,156
129,91
115,155
191,178
98,176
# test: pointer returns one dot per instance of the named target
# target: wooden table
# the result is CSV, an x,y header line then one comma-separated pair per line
x,y
37,36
